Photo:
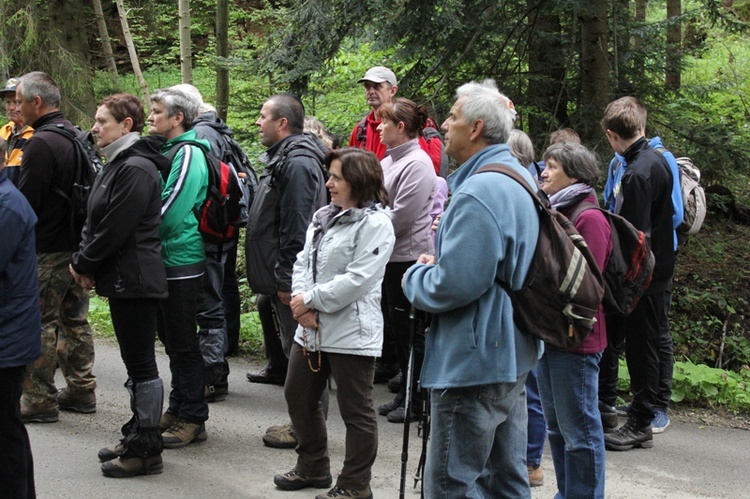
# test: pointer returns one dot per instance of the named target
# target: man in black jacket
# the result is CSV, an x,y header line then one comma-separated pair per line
x,y
49,163
644,199
291,189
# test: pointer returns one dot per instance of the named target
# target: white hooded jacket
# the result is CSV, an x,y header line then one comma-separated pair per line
x,y
340,272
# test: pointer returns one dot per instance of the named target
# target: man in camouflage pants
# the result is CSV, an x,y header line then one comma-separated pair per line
x,y
48,168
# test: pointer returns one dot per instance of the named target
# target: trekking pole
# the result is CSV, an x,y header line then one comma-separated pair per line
x,y
407,402
424,432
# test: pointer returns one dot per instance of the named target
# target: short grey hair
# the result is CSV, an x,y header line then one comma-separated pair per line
x,y
177,102
521,147
40,84
576,160
483,101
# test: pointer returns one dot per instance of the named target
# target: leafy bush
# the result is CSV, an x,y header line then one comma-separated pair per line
x,y
702,385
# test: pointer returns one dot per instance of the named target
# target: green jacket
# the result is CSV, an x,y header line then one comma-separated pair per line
x,y
183,190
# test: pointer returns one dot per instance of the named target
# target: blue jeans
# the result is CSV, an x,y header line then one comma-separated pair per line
x,y
478,442
568,385
537,426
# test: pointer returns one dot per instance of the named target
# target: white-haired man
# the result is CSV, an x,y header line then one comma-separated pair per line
x,y
476,359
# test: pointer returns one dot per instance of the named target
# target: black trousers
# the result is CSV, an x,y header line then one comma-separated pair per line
x,y
398,325
178,331
649,353
275,357
16,461
135,327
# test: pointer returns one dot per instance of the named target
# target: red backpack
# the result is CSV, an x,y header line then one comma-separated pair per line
x,y
220,215
630,267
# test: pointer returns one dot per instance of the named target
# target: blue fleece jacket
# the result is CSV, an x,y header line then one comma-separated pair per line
x,y
488,232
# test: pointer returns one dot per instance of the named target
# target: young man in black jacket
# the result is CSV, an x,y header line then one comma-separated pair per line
x,y
644,199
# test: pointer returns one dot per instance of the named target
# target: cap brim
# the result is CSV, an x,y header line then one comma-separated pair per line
x,y
373,80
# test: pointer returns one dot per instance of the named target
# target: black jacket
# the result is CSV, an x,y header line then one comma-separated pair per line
x,y
646,191
290,190
121,245
210,127
49,159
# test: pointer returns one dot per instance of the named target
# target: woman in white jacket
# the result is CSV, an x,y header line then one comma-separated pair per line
x,y
336,300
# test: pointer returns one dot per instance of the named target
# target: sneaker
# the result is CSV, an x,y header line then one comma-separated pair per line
x,y
167,420
623,409
215,393
338,492
294,480
133,466
110,453
398,415
660,421
394,384
84,403
283,438
629,435
609,417
536,475
33,415
183,433
384,372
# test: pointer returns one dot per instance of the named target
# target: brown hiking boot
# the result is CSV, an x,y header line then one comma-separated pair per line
x,y
37,415
536,476
110,453
282,438
167,420
339,493
84,402
132,466
183,433
294,480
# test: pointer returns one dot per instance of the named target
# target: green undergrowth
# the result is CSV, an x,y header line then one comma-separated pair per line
x,y
251,333
704,386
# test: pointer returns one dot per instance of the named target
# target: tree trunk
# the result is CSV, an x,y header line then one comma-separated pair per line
x,y
674,44
104,35
639,42
594,68
186,59
131,50
71,59
222,52
547,76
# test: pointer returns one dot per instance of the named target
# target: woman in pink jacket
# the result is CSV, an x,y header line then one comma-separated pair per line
x,y
569,380
409,178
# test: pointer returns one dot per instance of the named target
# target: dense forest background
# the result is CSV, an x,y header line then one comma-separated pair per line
x,y
560,61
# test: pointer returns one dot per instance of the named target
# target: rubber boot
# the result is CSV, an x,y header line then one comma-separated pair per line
x,y
109,453
143,448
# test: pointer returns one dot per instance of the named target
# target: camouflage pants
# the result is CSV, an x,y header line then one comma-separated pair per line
x,y
66,335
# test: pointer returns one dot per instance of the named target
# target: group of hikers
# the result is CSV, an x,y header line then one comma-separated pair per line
x,y
363,275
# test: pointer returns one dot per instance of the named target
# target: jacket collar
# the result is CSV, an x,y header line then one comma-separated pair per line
x,y
399,152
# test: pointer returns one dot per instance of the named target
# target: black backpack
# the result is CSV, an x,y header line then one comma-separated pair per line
x,y
235,157
630,267
563,289
220,214
88,166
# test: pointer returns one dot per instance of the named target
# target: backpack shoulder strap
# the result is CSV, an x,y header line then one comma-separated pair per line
x,y
580,208
510,172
